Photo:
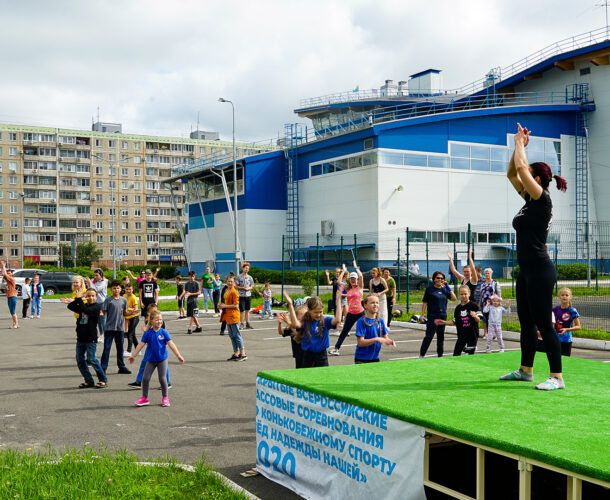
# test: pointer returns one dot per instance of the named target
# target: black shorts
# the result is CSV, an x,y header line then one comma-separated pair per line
x,y
145,308
245,303
192,309
313,359
181,302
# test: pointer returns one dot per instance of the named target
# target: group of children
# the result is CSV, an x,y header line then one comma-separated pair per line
x,y
306,325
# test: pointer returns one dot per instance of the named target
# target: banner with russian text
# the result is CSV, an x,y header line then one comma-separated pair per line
x,y
320,447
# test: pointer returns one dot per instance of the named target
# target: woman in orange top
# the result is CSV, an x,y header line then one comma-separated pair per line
x,y
230,314
11,293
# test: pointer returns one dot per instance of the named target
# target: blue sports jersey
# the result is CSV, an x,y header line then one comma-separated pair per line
x,y
564,318
156,343
369,329
312,341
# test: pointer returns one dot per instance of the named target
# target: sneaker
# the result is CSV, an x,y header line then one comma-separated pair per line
x,y
242,357
518,375
501,350
221,332
216,315
198,329
233,358
551,383
142,402
135,384
165,402
38,317
124,371
32,316
334,352
169,386
100,340
126,354
189,332
249,326
241,326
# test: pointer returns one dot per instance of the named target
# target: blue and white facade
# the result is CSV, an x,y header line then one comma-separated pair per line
x,y
378,163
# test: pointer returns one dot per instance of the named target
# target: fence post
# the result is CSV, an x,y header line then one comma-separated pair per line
x,y
468,238
427,263
596,265
512,272
408,271
283,249
341,258
355,248
455,264
556,277
318,264
398,266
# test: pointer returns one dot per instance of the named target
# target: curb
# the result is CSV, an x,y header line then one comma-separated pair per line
x,y
226,481
580,343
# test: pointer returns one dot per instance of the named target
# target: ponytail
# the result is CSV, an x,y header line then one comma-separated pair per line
x,y
561,183
542,170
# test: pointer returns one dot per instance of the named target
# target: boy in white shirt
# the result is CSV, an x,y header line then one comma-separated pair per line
x,y
26,295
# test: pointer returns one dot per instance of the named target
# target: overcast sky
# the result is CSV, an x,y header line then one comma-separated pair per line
x,y
153,65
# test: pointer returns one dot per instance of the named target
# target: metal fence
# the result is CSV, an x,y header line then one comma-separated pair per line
x,y
493,246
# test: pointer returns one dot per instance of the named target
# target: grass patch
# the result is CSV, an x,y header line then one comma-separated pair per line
x,y
94,474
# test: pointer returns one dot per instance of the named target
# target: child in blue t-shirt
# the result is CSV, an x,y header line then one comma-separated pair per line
x,y
371,332
156,338
566,319
313,330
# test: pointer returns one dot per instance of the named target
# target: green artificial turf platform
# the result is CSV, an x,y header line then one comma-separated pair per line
x,y
463,397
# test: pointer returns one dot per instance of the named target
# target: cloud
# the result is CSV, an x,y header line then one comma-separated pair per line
x,y
154,65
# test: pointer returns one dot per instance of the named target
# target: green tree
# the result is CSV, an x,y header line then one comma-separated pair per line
x,y
66,253
87,253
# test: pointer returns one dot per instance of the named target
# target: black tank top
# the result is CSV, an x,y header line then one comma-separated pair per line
x,y
378,288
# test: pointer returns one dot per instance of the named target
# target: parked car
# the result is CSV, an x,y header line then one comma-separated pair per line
x,y
57,282
20,275
416,281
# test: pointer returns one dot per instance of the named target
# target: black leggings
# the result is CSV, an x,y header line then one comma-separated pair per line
x,y
216,300
350,320
534,305
431,329
390,307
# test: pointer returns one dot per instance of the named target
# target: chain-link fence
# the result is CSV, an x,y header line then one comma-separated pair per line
x,y
581,255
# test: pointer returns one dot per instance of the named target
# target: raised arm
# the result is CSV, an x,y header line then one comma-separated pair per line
x,y
360,277
293,316
473,269
130,274
455,272
328,281
338,309
521,166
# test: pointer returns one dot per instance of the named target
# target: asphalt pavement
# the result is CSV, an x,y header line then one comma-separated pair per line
x,y
213,400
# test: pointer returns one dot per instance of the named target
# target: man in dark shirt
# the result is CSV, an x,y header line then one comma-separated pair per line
x,y
88,312
149,291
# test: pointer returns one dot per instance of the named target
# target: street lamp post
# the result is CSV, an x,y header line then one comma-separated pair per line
x,y
237,256
21,196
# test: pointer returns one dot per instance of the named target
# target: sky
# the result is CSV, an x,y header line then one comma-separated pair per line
x,y
154,66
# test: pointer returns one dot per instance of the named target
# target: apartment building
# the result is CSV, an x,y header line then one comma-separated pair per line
x,y
69,186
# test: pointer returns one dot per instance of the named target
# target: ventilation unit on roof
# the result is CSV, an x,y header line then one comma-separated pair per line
x,y
327,228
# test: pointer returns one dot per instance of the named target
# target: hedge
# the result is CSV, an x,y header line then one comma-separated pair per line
x,y
290,277
575,271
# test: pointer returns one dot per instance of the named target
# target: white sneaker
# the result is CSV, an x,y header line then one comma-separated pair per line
x,y
551,383
334,352
38,317
126,354
100,340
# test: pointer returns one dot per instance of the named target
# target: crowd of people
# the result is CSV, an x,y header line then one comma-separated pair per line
x,y
108,318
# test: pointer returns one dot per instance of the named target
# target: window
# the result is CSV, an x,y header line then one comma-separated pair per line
x,y
12,151
138,239
14,238
137,199
12,166
138,225
124,185
111,211
124,213
123,144
125,252
112,184
138,252
136,172
14,209
12,136
99,238
137,213
83,182
99,211
99,198
14,223
125,225
12,180
137,159
125,159
111,143
98,143
99,225
98,184
111,157
12,195
136,185
99,171
124,198
14,252
125,239
124,172
83,169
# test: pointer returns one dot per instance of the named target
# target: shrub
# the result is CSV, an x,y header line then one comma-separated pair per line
x,y
290,277
574,271
308,284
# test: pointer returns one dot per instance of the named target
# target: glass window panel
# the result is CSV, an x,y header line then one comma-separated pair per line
x,y
316,170
355,161
533,156
390,158
499,166
479,152
481,165
341,165
536,144
415,160
438,161
551,158
550,146
460,150
328,168
460,163
499,154
369,158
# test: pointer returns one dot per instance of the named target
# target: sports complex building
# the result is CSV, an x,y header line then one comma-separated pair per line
x,y
415,155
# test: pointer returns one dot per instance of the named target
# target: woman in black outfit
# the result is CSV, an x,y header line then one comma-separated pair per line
x,y
537,272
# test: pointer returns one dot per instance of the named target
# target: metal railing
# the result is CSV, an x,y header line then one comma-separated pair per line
x,y
557,48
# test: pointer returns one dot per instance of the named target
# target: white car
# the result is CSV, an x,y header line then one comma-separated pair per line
x,y
20,275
